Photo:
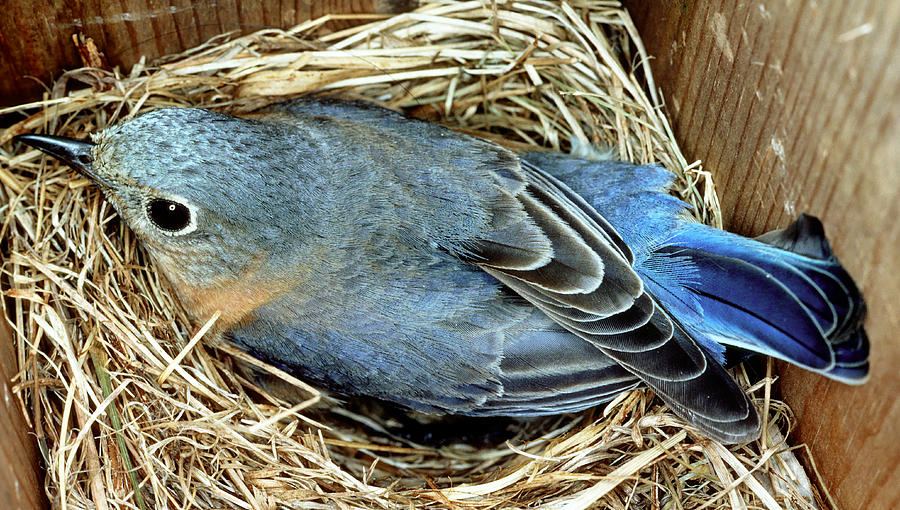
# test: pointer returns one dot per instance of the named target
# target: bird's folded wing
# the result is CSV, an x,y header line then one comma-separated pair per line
x,y
567,260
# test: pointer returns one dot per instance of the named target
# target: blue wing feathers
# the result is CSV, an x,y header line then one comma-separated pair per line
x,y
783,294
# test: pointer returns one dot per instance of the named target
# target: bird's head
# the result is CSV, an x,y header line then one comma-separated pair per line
x,y
207,193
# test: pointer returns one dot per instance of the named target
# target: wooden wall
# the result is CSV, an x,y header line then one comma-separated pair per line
x,y
21,482
793,106
36,36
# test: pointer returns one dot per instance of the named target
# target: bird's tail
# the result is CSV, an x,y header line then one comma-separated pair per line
x,y
783,294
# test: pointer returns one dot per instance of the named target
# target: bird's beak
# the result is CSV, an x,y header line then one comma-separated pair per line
x,y
75,153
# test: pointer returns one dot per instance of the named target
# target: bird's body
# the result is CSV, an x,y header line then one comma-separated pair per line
x,y
384,256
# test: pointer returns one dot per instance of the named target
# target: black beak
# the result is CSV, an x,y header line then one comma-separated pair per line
x,y
75,153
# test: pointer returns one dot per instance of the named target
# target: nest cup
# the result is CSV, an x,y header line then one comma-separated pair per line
x,y
135,406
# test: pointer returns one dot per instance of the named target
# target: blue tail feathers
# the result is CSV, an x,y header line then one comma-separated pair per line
x,y
783,294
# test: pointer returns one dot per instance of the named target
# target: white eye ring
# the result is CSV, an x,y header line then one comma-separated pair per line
x,y
171,215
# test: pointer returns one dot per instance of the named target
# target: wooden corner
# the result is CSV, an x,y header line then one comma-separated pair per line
x,y
20,477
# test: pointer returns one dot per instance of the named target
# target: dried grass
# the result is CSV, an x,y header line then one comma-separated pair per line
x,y
134,407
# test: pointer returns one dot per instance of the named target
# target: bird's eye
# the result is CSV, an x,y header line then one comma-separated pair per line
x,y
169,215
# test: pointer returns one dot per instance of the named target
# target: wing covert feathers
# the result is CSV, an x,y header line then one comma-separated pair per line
x,y
570,263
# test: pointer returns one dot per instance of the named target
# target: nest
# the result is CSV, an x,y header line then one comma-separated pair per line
x,y
133,406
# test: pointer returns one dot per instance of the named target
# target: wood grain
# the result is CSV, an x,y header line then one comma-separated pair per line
x,y
20,482
35,36
793,106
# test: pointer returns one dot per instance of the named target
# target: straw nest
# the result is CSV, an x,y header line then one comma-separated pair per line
x,y
135,407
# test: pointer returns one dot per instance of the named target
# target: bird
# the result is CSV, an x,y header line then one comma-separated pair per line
x,y
378,255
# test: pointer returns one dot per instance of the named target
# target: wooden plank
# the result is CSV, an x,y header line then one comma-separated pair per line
x,y
21,485
794,106
36,37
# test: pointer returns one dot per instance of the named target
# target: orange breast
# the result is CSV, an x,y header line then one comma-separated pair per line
x,y
236,298
236,301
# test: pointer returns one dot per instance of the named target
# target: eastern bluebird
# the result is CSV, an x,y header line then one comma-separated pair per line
x,y
379,255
